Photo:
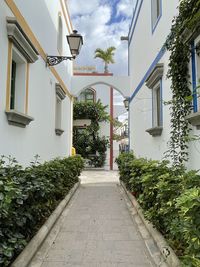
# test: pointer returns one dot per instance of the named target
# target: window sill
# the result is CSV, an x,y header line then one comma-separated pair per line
x,y
194,119
59,131
81,122
155,131
19,119
187,36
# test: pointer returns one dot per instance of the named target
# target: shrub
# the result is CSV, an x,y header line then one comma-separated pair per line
x,y
27,198
170,198
124,160
88,142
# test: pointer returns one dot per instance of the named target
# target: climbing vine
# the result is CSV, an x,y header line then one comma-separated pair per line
x,y
183,26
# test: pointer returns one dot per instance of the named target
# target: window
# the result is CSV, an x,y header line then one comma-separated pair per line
x,y
13,78
155,13
60,96
21,52
58,112
156,98
197,45
60,35
194,117
18,81
154,82
87,95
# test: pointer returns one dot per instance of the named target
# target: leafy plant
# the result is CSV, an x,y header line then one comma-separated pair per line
x,y
181,104
170,198
106,55
88,143
27,198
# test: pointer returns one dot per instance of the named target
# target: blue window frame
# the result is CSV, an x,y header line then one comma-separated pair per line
x,y
194,77
156,13
195,73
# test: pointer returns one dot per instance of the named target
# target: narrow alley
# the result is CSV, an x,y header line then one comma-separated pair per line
x,y
95,229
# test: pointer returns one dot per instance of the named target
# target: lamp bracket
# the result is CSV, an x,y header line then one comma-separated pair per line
x,y
55,60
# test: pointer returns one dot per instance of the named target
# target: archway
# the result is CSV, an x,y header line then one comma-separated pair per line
x,y
119,83
105,91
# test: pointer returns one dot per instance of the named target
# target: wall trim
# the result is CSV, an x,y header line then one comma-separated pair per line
x,y
194,80
153,27
65,16
136,19
152,66
67,9
9,64
27,87
132,20
20,40
155,75
22,22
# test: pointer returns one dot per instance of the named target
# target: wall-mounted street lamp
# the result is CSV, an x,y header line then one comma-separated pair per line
x,y
75,42
126,103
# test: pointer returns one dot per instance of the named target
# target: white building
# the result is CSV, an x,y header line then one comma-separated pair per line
x,y
149,118
106,94
35,99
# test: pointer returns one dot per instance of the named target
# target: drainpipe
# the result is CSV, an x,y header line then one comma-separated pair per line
x,y
111,128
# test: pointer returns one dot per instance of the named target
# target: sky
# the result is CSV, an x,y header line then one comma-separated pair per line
x,y
102,23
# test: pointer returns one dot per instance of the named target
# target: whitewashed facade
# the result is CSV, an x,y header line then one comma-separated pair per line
x,y
35,100
149,118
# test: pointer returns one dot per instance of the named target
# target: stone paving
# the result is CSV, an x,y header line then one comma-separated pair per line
x,y
95,229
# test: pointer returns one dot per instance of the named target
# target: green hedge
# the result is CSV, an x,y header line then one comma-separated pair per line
x,y
170,199
28,196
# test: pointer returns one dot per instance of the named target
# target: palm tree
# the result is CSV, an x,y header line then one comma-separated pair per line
x,y
106,55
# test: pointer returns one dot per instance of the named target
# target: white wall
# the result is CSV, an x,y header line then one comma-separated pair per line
x,y
103,93
143,50
39,137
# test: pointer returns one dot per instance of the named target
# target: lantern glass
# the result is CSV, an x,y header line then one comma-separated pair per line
x,y
75,42
126,103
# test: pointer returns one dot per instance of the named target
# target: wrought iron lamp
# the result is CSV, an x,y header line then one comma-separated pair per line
x,y
75,42
126,103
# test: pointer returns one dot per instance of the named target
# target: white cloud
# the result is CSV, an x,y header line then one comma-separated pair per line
x,y
125,7
78,7
93,19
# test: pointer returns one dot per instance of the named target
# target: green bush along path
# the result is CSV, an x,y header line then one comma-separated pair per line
x,y
170,198
27,198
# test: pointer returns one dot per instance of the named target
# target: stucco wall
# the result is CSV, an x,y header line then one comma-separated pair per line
x,y
144,48
39,137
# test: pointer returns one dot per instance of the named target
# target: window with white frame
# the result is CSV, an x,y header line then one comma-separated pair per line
x,y
60,35
156,104
18,81
60,96
154,82
155,12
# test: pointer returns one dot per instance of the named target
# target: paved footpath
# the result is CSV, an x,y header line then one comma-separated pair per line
x,y
95,229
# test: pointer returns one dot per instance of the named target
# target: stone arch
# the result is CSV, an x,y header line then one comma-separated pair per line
x,y
121,84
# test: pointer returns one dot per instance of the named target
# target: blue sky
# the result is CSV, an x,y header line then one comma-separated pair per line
x,y
102,23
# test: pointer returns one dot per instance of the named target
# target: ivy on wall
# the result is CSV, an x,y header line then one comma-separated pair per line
x,y
184,25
